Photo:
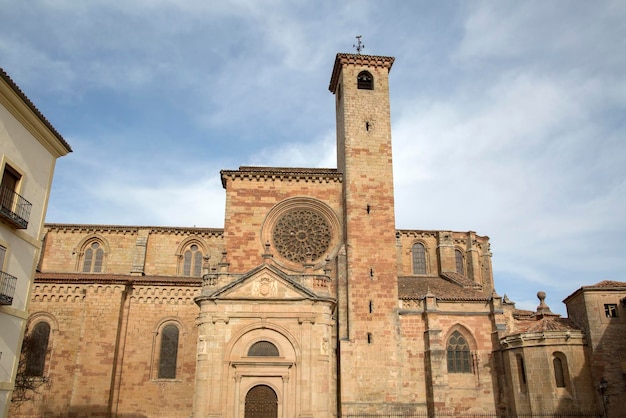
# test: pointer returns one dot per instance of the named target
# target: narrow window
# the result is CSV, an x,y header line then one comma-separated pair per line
x,y
263,349
36,348
197,264
521,371
168,353
419,258
187,263
559,377
370,338
93,258
610,310
458,256
192,261
458,354
365,81
371,306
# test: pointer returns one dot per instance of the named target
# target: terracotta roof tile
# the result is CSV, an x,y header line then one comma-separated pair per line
x,y
603,285
551,323
607,283
461,280
357,59
415,287
523,314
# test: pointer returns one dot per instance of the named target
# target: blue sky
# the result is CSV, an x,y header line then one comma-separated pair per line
x,y
508,117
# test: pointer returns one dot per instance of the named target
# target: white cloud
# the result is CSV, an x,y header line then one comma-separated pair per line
x,y
507,116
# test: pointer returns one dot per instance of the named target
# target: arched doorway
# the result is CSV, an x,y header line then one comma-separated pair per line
x,y
261,402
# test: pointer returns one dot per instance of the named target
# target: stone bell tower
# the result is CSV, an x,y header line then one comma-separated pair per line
x,y
367,278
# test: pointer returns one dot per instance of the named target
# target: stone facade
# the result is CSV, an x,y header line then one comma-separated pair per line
x,y
308,303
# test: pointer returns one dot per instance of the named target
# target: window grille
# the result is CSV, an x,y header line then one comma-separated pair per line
x,y
261,402
263,349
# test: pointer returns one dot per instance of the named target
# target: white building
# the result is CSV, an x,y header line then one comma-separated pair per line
x,y
29,148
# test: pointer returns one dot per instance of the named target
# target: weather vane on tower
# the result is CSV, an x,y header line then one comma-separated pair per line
x,y
358,46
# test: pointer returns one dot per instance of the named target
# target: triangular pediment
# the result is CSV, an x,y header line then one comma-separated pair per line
x,y
265,282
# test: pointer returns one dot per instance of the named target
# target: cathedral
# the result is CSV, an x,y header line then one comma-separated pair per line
x,y
309,302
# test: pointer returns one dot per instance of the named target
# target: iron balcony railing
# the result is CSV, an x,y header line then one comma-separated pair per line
x,y
7,288
14,208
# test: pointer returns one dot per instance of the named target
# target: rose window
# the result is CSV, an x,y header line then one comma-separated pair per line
x,y
302,236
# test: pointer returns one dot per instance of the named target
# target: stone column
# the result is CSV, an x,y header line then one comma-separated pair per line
x,y
306,325
203,369
434,356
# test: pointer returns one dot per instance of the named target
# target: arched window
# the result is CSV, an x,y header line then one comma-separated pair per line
x,y
35,349
192,261
460,265
458,354
168,352
365,81
93,257
419,258
559,363
263,349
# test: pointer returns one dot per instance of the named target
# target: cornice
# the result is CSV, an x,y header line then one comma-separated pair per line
x,y
96,278
314,175
416,233
23,109
131,229
603,286
544,338
343,59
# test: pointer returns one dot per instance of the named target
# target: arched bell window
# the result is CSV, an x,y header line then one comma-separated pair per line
x,y
365,81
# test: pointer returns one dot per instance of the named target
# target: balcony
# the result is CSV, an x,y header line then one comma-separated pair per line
x,y
14,208
7,288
